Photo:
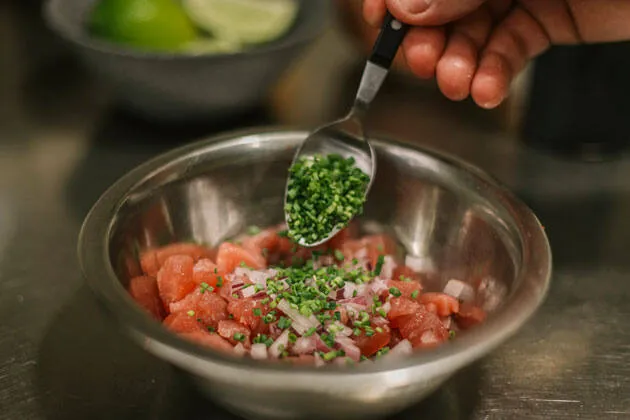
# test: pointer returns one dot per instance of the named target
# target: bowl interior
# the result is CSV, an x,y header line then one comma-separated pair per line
x,y
69,17
454,221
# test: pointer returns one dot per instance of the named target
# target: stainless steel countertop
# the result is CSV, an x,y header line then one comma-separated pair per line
x,y
62,142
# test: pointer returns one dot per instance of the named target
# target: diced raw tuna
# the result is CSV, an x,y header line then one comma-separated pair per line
x,y
231,330
144,290
207,307
175,278
231,256
445,305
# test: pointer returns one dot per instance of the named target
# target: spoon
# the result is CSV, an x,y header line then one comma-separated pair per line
x,y
346,137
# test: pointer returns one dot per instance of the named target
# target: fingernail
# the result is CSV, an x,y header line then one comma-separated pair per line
x,y
414,6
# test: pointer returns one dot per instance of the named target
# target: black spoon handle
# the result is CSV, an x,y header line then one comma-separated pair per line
x,y
392,34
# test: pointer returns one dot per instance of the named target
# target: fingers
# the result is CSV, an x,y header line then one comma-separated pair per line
x,y
431,12
374,11
458,64
515,41
423,48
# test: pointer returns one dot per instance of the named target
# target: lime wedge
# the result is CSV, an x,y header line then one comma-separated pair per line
x,y
212,45
147,24
246,21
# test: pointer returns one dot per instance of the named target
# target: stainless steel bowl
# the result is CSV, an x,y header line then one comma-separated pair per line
x,y
458,220
177,87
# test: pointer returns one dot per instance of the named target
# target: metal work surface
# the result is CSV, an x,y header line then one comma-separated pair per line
x,y
62,143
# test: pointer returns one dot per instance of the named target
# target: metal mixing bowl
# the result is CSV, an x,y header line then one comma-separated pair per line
x,y
461,222
178,86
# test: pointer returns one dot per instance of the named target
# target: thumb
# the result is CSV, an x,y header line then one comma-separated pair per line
x,y
431,12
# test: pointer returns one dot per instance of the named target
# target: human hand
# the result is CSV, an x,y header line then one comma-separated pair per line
x,y
476,47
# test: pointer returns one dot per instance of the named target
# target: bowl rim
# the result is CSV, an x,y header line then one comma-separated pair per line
x,y
94,259
51,19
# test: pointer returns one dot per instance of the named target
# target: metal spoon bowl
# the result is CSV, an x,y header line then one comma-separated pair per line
x,y
347,137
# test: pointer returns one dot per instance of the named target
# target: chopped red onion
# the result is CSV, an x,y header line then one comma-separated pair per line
x,y
281,344
387,270
255,276
429,337
353,290
386,307
301,324
379,285
359,300
304,345
360,254
379,321
459,290
258,351
239,349
403,348
339,329
347,345
248,291
274,331
447,321
319,362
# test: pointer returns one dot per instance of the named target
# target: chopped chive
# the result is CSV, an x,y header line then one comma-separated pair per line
x,y
205,287
257,312
310,331
379,265
219,281
414,294
253,230
329,356
284,323
211,329
339,255
451,334
323,194
292,338
395,291
239,337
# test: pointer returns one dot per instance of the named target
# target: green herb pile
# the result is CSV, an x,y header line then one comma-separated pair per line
x,y
324,193
307,290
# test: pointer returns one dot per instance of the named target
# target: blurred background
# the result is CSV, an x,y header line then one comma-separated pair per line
x,y
78,109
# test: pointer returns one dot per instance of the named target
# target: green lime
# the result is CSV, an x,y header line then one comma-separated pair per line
x,y
148,24
246,21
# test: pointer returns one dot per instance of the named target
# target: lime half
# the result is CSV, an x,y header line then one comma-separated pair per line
x,y
147,24
245,21
212,46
